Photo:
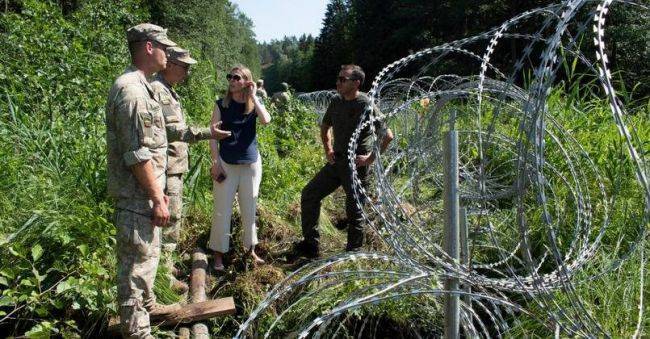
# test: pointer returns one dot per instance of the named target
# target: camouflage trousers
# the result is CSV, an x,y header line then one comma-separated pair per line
x,y
172,233
138,253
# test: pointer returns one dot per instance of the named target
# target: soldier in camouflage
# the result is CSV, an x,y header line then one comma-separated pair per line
x,y
178,135
261,91
137,159
282,98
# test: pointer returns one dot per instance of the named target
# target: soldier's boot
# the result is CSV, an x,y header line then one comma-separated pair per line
x,y
341,224
179,287
160,309
176,272
303,248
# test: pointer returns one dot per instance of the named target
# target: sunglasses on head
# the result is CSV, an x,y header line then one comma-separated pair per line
x,y
235,77
344,79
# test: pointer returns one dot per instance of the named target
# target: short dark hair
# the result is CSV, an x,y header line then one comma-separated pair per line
x,y
357,72
134,47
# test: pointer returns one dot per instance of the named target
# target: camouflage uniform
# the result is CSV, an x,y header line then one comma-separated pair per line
x,y
282,97
261,92
178,135
135,132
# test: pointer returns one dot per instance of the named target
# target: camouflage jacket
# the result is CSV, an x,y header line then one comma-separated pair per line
x,y
178,133
135,132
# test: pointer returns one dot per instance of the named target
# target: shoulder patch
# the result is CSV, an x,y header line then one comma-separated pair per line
x,y
171,119
147,120
165,99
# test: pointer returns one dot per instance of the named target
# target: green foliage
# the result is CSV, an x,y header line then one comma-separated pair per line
x,y
291,154
335,44
57,275
218,36
59,61
61,242
288,60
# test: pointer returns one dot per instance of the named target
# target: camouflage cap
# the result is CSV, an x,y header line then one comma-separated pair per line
x,y
179,54
148,32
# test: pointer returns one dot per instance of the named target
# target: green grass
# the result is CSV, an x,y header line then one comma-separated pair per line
x,y
58,269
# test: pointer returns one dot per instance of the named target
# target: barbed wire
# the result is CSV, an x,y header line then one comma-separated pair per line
x,y
538,203
318,101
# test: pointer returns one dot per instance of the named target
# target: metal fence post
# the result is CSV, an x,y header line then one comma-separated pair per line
x,y
451,204
464,252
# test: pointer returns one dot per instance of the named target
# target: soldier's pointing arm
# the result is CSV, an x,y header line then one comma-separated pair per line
x,y
188,134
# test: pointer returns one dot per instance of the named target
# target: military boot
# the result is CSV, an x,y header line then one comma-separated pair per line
x,y
179,287
169,264
160,310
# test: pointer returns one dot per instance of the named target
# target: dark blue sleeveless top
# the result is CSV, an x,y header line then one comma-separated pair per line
x,y
241,146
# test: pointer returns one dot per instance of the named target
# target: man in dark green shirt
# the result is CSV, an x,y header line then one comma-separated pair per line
x,y
343,115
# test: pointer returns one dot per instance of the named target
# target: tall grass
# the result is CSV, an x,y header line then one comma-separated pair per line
x,y
58,269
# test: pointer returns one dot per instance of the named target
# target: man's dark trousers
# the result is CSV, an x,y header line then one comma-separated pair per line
x,y
328,179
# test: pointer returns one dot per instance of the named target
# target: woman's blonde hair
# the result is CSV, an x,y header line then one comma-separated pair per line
x,y
248,76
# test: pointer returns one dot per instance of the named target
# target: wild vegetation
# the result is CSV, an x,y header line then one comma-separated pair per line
x,y
59,58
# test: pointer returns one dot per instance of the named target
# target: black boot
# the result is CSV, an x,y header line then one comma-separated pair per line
x,y
304,249
341,224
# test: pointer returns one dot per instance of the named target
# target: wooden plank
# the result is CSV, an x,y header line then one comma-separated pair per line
x,y
197,311
187,314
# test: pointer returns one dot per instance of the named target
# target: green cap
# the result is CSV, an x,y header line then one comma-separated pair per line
x,y
179,54
148,32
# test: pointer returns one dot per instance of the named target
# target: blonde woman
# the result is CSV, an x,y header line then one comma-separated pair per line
x,y
236,163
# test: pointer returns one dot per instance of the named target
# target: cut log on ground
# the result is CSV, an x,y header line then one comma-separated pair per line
x,y
197,283
197,289
198,311
187,314
184,333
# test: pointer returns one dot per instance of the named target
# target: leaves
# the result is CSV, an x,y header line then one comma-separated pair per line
x,y
41,331
37,252
65,285
56,227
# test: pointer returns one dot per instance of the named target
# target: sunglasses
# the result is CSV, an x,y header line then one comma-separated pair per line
x,y
344,79
235,77
184,66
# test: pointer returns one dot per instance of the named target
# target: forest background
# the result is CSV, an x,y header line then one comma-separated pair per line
x,y
58,61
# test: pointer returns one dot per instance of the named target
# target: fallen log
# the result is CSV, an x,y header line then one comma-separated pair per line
x,y
197,283
186,314
198,311
197,288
